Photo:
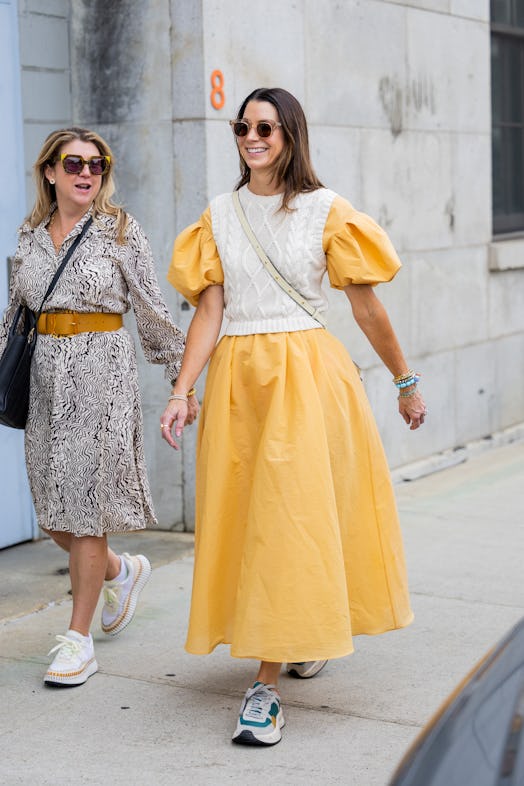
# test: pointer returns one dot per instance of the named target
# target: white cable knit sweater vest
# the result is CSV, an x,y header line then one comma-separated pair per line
x,y
254,303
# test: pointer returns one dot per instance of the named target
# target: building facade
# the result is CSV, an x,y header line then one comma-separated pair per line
x,y
398,94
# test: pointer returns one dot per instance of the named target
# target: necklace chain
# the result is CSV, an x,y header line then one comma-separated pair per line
x,y
57,235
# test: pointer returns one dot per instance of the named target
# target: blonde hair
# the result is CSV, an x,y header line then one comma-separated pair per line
x,y
45,192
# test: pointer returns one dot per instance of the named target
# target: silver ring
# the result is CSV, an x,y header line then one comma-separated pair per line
x,y
164,425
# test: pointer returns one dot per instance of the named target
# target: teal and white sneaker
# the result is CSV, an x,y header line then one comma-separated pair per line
x,y
261,717
306,669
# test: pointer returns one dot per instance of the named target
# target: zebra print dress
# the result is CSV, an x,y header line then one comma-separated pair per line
x,y
84,434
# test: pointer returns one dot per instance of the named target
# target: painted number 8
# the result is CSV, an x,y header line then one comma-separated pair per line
x,y
218,99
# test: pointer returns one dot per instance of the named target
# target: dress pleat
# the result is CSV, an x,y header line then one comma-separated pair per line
x,y
298,546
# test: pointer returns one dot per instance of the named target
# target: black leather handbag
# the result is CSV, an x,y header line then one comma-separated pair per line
x,y
15,368
15,363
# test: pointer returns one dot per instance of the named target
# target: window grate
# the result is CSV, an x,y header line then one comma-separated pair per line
x,y
507,104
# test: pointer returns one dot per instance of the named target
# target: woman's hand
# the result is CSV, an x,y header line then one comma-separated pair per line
x,y
412,409
175,414
179,412
193,408
200,342
372,318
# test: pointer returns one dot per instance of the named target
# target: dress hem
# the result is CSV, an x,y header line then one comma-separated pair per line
x,y
274,659
99,532
317,655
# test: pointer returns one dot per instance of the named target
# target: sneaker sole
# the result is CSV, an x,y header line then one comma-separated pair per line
x,y
71,680
307,676
129,610
247,737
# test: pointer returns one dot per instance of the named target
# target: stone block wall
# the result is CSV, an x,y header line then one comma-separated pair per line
x,y
122,85
397,93
46,74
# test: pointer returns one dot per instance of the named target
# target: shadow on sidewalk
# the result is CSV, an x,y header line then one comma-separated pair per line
x,y
35,574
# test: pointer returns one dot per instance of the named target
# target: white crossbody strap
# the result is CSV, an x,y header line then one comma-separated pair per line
x,y
271,269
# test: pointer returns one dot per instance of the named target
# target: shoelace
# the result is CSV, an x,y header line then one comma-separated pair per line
x,y
257,702
110,596
67,647
112,591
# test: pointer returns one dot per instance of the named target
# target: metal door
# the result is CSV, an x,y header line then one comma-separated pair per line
x,y
17,519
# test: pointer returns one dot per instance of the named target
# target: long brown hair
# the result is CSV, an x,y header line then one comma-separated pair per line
x,y
45,192
293,167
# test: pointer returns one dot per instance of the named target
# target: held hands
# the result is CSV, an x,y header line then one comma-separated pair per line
x,y
178,413
193,408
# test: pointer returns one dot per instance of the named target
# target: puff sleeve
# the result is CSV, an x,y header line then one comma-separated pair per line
x,y
195,264
357,250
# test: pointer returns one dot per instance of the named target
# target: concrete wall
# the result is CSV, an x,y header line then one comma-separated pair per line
x,y
122,86
397,93
398,100
107,66
44,59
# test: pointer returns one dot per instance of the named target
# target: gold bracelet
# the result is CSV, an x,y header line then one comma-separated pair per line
x,y
181,396
402,377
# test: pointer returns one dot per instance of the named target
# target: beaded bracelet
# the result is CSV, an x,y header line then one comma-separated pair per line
x,y
409,393
181,396
408,381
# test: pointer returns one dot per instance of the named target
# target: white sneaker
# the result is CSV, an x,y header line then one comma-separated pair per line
x,y
74,661
120,597
261,717
305,670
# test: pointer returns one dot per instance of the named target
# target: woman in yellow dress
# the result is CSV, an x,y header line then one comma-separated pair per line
x,y
298,546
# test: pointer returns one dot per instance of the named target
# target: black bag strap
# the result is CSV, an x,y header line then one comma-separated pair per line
x,y
64,262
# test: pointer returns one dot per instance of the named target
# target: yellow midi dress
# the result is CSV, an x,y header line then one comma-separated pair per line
x,y
298,546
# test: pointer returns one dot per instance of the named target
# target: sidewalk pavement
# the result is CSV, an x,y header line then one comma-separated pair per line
x,y
156,715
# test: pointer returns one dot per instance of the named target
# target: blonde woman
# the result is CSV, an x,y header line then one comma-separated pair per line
x,y
83,439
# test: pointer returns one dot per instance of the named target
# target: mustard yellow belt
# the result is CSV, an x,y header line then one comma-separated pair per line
x,y
69,323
